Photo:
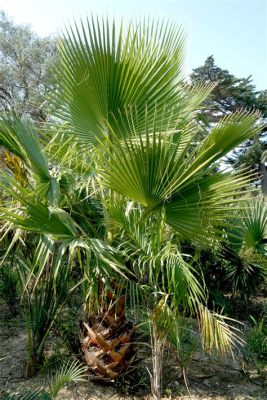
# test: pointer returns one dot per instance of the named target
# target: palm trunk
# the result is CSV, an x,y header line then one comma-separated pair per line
x,y
157,345
106,341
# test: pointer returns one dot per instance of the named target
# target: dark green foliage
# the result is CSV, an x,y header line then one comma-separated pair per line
x,y
28,395
245,252
246,271
211,266
250,153
231,94
219,300
66,326
236,268
46,285
9,287
257,338
92,212
184,340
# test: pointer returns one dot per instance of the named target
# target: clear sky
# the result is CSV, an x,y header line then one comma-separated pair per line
x,y
234,31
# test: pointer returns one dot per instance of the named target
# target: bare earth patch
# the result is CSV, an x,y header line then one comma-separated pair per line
x,y
209,377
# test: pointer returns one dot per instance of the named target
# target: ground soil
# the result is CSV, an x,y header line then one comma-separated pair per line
x,y
209,377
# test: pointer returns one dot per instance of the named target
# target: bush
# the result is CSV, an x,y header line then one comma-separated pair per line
x,y
9,288
257,338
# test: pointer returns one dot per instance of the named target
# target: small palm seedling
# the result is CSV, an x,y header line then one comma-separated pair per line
x,y
66,372
69,371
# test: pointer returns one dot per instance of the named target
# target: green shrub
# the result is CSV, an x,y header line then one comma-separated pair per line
x,y
9,288
257,338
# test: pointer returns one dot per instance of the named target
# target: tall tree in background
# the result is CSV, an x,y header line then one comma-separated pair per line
x,y
25,68
229,95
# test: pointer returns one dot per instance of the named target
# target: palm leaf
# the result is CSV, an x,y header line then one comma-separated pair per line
x,y
151,170
70,371
200,209
216,333
255,226
20,137
228,133
103,70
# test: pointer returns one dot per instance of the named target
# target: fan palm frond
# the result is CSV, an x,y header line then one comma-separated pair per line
x,y
245,249
26,145
21,137
70,371
105,69
255,226
151,170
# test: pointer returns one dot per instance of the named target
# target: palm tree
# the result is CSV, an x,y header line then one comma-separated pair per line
x,y
123,133
46,205
245,250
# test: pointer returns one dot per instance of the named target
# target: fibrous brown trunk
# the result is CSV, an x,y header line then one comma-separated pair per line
x,y
106,343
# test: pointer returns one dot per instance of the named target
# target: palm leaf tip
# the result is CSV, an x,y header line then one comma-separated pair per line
x,y
20,137
216,333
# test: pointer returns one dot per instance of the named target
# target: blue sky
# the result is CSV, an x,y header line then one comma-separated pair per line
x,y
234,31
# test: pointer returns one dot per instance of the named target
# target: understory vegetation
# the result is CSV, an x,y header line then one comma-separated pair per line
x,y
120,230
